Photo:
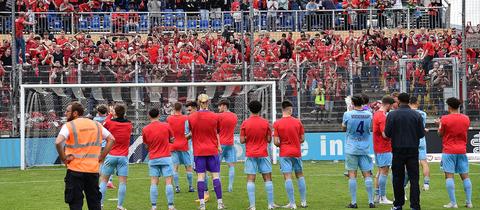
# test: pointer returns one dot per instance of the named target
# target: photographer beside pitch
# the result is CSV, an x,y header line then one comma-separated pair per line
x,y
79,146
405,128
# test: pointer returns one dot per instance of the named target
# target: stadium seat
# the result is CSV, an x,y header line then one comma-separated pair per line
x,y
227,19
154,96
95,24
190,94
228,91
82,25
117,94
210,91
97,94
51,20
180,23
57,24
144,22
204,24
287,20
59,92
172,94
216,24
192,24
106,22
263,24
168,20
77,92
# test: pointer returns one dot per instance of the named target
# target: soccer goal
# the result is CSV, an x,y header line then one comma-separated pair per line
x,y
42,110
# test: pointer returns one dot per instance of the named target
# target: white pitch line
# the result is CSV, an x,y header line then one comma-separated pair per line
x,y
148,178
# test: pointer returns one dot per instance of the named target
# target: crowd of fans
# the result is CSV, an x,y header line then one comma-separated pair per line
x,y
318,64
209,5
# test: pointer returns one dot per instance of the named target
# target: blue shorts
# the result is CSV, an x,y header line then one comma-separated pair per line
x,y
291,164
229,153
454,163
207,163
422,150
181,158
383,159
115,163
161,167
355,162
258,164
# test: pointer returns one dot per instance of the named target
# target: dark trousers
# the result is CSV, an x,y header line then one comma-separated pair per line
x,y
406,159
77,183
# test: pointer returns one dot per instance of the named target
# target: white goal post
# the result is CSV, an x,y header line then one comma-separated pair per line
x,y
36,87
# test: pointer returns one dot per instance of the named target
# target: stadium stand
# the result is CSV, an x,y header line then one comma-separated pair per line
x,y
87,44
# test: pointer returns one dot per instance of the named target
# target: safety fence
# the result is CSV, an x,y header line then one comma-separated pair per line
x,y
318,90
280,20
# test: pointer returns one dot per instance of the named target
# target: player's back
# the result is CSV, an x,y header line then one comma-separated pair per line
x,y
256,130
289,130
227,124
380,144
121,129
177,124
455,130
156,136
358,125
204,126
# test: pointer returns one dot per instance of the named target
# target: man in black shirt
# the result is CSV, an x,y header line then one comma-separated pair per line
x,y
405,128
7,57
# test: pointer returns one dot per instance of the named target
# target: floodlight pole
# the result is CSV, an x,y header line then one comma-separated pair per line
x,y
463,62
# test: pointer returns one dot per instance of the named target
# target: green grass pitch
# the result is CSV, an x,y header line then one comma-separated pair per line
x,y
42,188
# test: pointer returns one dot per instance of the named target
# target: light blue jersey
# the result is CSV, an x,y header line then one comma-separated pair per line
x,y
101,120
187,128
359,125
424,117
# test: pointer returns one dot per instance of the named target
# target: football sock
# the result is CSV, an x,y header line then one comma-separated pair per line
x,y
352,185
467,187
153,194
269,189
251,193
289,188
451,190
169,193
302,187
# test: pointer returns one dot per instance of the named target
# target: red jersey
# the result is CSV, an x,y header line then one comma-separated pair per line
x,y
227,122
455,129
380,144
204,127
289,130
156,136
19,26
256,131
429,48
121,129
177,124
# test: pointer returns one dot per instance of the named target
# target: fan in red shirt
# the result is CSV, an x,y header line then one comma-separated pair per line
x,y
204,125
179,148
382,147
454,132
255,133
117,158
157,136
289,134
227,123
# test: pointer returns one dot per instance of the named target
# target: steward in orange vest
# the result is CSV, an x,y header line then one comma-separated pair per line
x,y
79,147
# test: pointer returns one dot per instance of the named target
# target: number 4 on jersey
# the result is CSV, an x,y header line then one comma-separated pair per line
x,y
360,128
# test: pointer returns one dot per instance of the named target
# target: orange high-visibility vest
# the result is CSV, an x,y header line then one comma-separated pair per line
x,y
84,143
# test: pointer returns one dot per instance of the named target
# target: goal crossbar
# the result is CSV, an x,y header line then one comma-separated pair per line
x,y
25,87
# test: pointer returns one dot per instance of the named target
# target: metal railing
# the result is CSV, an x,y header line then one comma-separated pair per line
x,y
317,89
285,20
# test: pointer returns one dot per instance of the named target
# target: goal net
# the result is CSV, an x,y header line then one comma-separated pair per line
x,y
42,110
